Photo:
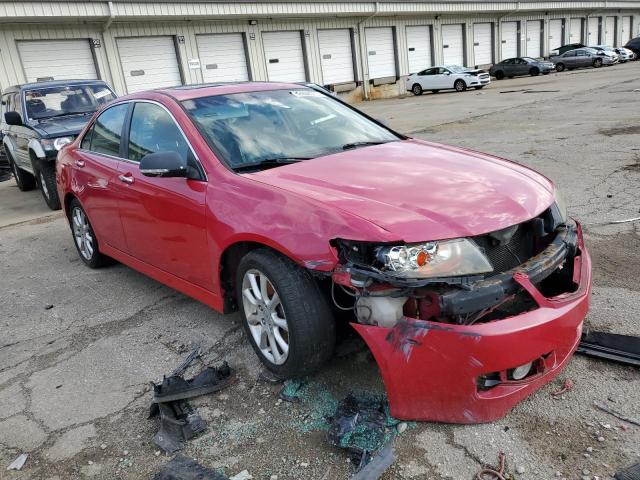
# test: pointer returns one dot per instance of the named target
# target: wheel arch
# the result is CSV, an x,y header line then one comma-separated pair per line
x,y
66,203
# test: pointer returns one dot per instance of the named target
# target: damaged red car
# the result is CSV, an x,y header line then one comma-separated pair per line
x,y
461,271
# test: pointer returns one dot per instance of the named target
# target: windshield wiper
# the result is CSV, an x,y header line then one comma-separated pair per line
x,y
349,146
269,162
62,114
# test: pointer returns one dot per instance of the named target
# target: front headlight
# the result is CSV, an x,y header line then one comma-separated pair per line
x,y
446,258
50,144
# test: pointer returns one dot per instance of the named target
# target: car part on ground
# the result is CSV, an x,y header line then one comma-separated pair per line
x,y
615,413
178,423
629,473
209,380
185,468
610,346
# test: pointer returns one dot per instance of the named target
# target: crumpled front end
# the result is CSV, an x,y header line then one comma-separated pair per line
x,y
468,353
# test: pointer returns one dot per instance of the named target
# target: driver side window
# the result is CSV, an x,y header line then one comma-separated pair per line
x,y
153,130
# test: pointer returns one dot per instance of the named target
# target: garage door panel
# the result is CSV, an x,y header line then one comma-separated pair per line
x,y
482,44
509,40
609,37
381,55
223,57
534,29
625,30
555,34
284,56
575,31
453,44
419,48
149,62
592,33
336,56
41,59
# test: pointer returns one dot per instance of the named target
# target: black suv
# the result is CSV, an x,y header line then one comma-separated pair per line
x,y
38,119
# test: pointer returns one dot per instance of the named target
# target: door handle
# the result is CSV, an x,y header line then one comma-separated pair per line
x,y
79,163
126,178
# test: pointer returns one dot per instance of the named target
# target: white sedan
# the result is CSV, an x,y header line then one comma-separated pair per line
x,y
446,77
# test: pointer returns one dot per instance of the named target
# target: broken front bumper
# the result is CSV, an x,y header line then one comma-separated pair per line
x,y
433,371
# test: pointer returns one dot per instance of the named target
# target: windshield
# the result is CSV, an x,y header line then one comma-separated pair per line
x,y
455,68
529,59
277,126
50,102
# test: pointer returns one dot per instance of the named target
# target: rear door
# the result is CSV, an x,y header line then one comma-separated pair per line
x,y
95,169
582,58
164,219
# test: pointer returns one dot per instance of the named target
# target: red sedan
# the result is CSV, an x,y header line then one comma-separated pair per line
x,y
461,271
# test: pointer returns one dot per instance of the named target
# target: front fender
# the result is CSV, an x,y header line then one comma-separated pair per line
x,y
36,148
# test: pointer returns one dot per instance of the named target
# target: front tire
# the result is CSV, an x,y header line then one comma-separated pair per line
x,y
597,63
534,72
46,178
24,180
559,67
460,86
416,89
285,315
84,238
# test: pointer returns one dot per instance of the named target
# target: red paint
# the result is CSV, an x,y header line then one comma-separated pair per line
x,y
430,370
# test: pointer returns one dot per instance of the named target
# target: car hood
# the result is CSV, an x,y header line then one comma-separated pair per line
x,y
70,125
419,191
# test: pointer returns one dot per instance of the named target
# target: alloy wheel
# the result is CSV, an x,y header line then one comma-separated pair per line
x,y
265,316
82,233
43,185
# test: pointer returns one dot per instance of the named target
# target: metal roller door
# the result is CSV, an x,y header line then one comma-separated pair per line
x,y
57,60
149,62
556,37
609,36
453,45
593,31
482,44
419,48
575,30
284,56
381,55
625,34
222,57
509,41
534,38
336,56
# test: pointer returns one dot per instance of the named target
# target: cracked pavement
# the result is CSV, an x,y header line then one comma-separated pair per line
x,y
74,378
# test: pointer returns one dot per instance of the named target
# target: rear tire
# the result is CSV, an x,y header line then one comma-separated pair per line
x,y
559,67
534,72
84,238
499,75
302,308
24,180
416,89
460,86
46,179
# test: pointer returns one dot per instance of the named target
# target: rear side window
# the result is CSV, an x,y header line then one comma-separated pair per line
x,y
153,130
104,137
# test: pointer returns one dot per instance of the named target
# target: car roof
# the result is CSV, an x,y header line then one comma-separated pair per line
x,y
187,92
55,83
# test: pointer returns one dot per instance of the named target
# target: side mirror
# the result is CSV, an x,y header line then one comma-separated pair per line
x,y
163,164
13,118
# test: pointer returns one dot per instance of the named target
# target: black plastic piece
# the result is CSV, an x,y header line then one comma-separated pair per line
x,y
611,346
631,473
185,468
207,381
178,422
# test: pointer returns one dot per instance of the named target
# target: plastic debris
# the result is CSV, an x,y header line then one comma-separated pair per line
x,y
631,473
178,423
185,468
566,386
611,346
378,464
19,462
291,390
243,475
616,414
207,381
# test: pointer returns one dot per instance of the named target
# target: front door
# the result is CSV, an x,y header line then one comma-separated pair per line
x,y
164,219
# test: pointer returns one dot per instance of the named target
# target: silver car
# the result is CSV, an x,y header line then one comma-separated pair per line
x,y
581,57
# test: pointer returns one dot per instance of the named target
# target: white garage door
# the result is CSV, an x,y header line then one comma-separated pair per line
x,y
419,48
222,57
57,59
625,34
534,38
284,56
336,56
482,44
149,62
610,31
381,55
592,31
575,31
509,40
453,45
556,39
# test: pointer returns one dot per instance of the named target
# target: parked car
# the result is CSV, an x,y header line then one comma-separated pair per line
x,y
608,51
566,48
625,54
634,46
512,67
38,120
287,204
446,77
581,57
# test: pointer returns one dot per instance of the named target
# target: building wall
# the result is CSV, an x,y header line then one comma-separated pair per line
x,y
97,25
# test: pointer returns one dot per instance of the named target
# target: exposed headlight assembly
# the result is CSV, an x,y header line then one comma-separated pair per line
x,y
50,144
446,258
